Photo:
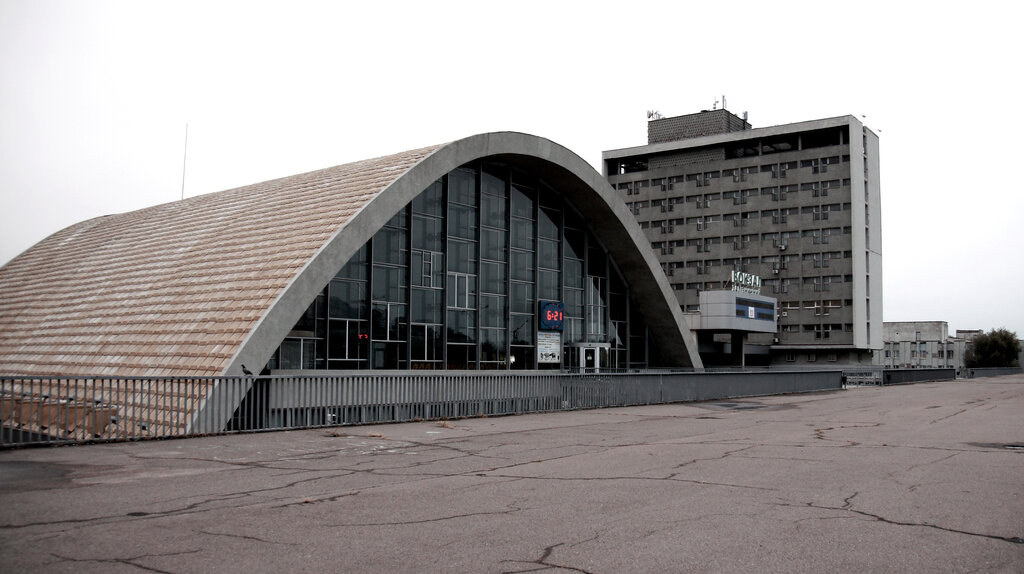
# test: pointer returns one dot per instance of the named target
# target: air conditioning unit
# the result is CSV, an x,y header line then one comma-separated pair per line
x,y
775,271
775,340
782,247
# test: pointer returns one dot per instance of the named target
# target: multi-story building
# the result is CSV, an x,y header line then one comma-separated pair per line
x,y
796,204
923,345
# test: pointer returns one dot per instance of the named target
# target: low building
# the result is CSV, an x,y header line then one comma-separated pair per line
x,y
923,345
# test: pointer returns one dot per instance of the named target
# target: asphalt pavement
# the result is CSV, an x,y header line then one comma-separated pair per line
x,y
916,478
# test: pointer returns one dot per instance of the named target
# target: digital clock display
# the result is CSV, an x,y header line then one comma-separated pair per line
x,y
552,314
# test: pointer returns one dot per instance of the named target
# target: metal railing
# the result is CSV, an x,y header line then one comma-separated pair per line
x,y
53,410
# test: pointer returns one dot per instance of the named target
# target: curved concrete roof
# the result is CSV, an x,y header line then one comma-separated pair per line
x,y
200,286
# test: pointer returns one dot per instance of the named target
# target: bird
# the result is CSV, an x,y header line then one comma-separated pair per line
x,y
246,371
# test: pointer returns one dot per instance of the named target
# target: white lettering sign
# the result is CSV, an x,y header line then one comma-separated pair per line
x,y
746,283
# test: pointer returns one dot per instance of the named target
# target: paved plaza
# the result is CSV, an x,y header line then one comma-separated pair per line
x,y
916,478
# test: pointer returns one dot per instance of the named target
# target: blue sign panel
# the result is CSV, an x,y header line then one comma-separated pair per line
x,y
749,309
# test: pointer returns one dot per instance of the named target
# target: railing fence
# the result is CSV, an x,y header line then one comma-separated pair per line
x,y
54,410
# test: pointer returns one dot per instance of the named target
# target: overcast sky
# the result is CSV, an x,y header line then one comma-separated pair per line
x,y
95,98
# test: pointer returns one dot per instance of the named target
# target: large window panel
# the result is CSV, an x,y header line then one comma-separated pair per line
x,y
462,221
462,256
492,277
427,269
522,265
573,275
521,295
348,340
462,186
461,291
493,344
426,345
574,244
523,198
495,210
547,255
430,201
547,285
389,322
522,330
427,305
461,326
427,233
493,312
549,223
356,268
493,244
389,246
347,300
389,283
522,234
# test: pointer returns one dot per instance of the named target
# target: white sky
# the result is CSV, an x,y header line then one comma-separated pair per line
x,y
95,96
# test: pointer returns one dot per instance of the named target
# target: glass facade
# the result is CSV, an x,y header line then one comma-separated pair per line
x,y
454,281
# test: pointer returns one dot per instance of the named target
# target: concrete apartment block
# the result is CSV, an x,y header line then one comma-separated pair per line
x,y
796,204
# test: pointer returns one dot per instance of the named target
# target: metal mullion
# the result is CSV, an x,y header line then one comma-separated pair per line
x,y
508,269
444,275
536,268
368,299
409,220
479,221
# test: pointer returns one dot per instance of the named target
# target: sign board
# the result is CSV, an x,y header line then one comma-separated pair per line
x,y
746,283
552,314
549,347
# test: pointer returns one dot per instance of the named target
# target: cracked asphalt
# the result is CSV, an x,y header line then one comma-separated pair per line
x,y
917,478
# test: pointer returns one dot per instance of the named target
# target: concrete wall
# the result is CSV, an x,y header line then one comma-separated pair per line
x,y
902,376
993,372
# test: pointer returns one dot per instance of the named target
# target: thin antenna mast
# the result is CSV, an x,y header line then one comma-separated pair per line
x,y
184,160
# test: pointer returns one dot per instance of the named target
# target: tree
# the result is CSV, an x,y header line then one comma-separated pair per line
x,y
997,348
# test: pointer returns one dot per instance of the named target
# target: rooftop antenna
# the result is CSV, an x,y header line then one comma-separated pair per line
x,y
723,101
184,159
715,107
653,115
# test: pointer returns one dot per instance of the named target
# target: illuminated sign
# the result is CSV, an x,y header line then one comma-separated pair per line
x,y
746,283
552,313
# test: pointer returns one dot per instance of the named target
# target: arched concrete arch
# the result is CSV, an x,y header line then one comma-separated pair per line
x,y
583,186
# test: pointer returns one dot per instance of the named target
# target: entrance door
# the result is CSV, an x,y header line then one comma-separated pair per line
x,y
589,361
588,357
